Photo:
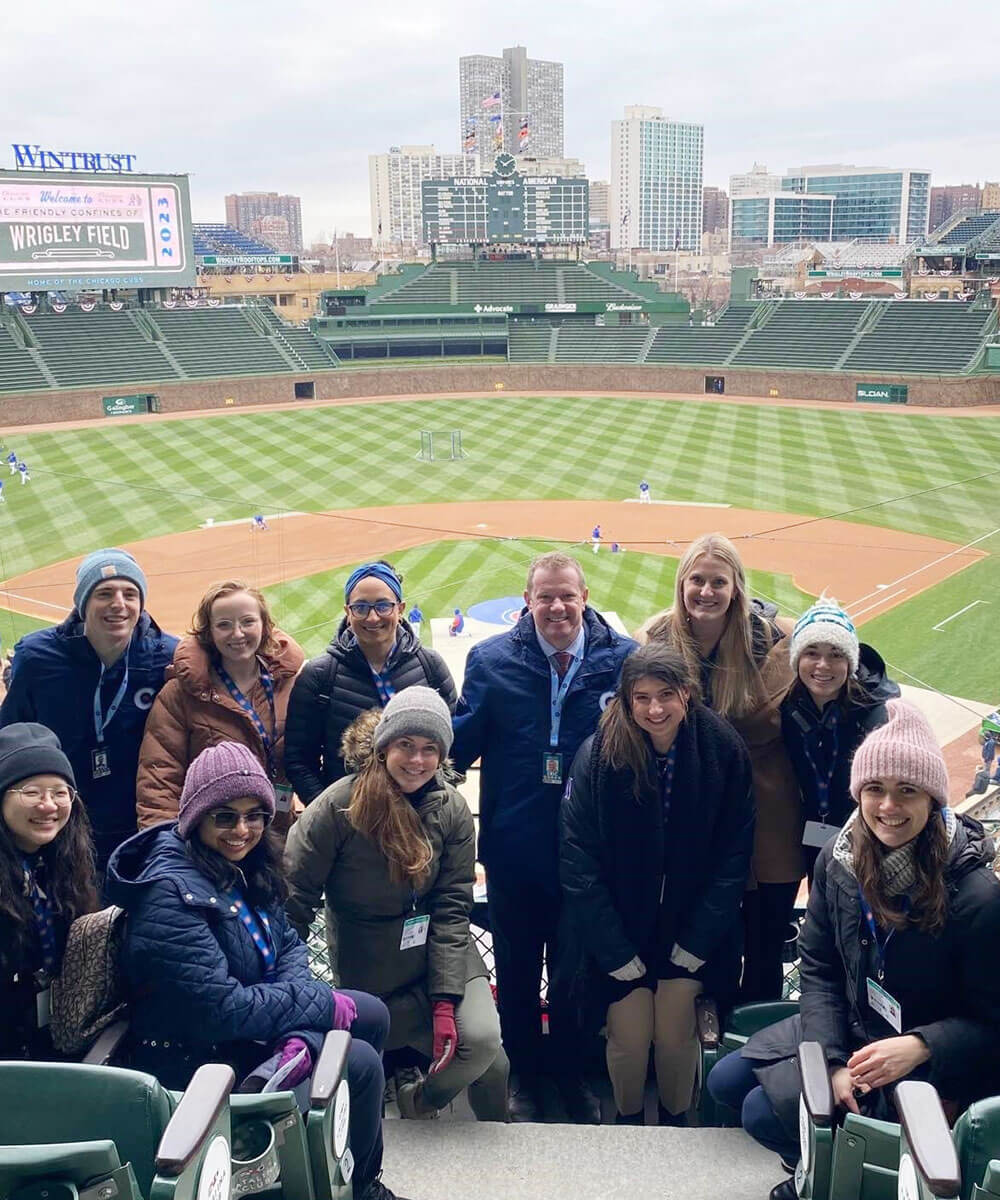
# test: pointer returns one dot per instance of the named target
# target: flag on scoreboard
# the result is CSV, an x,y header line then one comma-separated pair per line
x,y
469,141
492,101
496,120
523,134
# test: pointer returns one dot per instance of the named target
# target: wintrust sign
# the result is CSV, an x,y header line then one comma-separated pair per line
x,y
38,158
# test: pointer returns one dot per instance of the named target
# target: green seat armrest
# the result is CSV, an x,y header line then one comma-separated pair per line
x,y
817,1092
330,1068
928,1136
205,1098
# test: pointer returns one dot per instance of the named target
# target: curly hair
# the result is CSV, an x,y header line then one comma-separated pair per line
x,y
70,883
201,622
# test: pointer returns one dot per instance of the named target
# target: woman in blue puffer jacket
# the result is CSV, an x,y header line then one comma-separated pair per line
x,y
214,970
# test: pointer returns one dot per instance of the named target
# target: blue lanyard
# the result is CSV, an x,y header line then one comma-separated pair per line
x,y
259,928
248,708
665,766
558,695
880,948
101,722
44,917
824,778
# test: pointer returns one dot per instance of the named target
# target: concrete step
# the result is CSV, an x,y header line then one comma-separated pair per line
x,y
458,1160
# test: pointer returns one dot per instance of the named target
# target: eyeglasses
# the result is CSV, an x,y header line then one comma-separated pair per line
x,y
225,818
63,795
361,608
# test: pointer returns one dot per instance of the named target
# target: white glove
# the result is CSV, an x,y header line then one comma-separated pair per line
x,y
634,969
681,958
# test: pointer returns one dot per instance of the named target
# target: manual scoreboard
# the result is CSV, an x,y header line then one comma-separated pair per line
x,y
505,207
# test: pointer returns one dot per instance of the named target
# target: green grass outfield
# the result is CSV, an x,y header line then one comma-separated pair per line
x,y
108,484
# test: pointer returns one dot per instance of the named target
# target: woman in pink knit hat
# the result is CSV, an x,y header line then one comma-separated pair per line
x,y
899,978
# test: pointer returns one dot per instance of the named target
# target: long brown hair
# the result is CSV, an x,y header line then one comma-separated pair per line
x,y
928,907
737,689
201,622
624,745
380,811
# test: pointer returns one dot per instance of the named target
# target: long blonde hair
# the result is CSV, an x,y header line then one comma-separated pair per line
x,y
380,811
737,688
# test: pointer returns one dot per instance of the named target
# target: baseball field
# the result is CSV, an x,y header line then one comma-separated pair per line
x,y
894,511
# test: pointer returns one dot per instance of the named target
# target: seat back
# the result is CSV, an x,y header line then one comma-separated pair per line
x,y
747,1019
977,1140
71,1102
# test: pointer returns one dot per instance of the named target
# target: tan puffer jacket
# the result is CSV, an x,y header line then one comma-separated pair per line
x,y
193,711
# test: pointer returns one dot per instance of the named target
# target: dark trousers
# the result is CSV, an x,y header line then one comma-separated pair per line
x,y
767,915
732,1082
366,1084
524,920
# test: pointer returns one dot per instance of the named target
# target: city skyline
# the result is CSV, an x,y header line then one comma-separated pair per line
x,y
355,84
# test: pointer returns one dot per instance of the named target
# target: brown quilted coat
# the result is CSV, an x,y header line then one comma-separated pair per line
x,y
193,711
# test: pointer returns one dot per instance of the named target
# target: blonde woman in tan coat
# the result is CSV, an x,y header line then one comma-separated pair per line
x,y
230,681
736,647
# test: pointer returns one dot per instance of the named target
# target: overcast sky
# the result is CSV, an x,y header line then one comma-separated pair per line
x,y
293,96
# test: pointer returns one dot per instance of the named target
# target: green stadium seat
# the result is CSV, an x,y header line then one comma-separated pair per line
x,y
18,370
811,334
921,335
710,345
97,348
936,1162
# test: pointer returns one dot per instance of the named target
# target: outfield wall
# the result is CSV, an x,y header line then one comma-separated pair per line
x,y
557,379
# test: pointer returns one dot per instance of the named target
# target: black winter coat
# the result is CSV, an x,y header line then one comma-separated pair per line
x,y
336,687
634,884
196,986
804,727
948,984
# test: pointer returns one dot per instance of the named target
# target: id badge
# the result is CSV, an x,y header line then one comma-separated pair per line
x,y
887,1007
283,797
414,932
552,768
818,833
100,763
43,1007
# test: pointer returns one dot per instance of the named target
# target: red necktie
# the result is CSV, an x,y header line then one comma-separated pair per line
x,y
562,659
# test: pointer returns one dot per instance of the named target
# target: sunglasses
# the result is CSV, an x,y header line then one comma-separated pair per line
x,y
361,608
225,818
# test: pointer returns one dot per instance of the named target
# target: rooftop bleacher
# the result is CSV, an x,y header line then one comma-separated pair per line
x,y
970,228
224,239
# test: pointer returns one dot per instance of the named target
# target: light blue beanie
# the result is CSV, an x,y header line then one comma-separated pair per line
x,y
111,563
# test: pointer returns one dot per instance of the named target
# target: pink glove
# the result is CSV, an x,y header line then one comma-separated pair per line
x,y
289,1049
445,1035
344,1010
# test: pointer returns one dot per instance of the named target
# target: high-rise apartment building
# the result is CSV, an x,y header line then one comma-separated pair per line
x,y
946,201
991,197
599,199
655,199
876,204
244,208
394,184
756,182
777,218
512,103
275,232
714,210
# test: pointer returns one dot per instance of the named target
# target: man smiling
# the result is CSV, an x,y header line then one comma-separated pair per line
x,y
92,681
529,698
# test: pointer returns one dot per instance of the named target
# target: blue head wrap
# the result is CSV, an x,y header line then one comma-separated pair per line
x,y
374,570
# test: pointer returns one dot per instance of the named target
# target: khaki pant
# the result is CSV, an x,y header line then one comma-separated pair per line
x,y
665,1020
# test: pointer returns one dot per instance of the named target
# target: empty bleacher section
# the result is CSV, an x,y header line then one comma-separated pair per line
x,y
224,239
305,350
923,336
81,348
18,370
219,341
711,344
969,229
583,343
529,340
803,333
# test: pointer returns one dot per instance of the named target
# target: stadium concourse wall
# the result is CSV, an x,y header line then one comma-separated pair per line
x,y
71,404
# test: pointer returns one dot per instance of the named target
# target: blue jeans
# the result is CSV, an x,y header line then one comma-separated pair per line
x,y
366,1083
732,1082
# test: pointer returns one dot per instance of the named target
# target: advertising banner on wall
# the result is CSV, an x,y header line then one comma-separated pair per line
x,y
64,232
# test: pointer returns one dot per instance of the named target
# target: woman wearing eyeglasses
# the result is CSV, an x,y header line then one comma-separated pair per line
x,y
46,881
216,973
374,655
230,680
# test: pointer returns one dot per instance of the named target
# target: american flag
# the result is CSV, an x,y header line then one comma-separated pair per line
x,y
492,101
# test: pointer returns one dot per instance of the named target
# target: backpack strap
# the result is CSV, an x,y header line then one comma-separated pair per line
x,y
327,682
433,680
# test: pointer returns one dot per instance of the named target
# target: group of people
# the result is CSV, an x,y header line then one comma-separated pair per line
x,y
16,466
648,810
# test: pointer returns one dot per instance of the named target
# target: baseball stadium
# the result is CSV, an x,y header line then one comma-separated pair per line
x,y
459,417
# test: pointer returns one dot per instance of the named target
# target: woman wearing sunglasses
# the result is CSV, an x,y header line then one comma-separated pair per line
x,y
373,655
216,973
46,881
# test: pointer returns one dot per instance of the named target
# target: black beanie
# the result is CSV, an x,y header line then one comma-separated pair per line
x,y
28,749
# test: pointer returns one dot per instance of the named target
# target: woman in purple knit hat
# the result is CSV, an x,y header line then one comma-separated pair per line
x,y
215,971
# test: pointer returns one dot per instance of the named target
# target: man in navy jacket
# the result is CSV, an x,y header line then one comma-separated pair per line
x,y
92,680
529,698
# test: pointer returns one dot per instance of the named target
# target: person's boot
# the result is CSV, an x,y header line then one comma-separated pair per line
x,y
376,1190
676,1120
412,1104
582,1106
784,1190
525,1099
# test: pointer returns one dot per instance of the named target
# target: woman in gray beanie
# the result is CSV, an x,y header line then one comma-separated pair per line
x,y
46,880
393,848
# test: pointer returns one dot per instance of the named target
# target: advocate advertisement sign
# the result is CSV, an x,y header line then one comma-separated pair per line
x,y
61,233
